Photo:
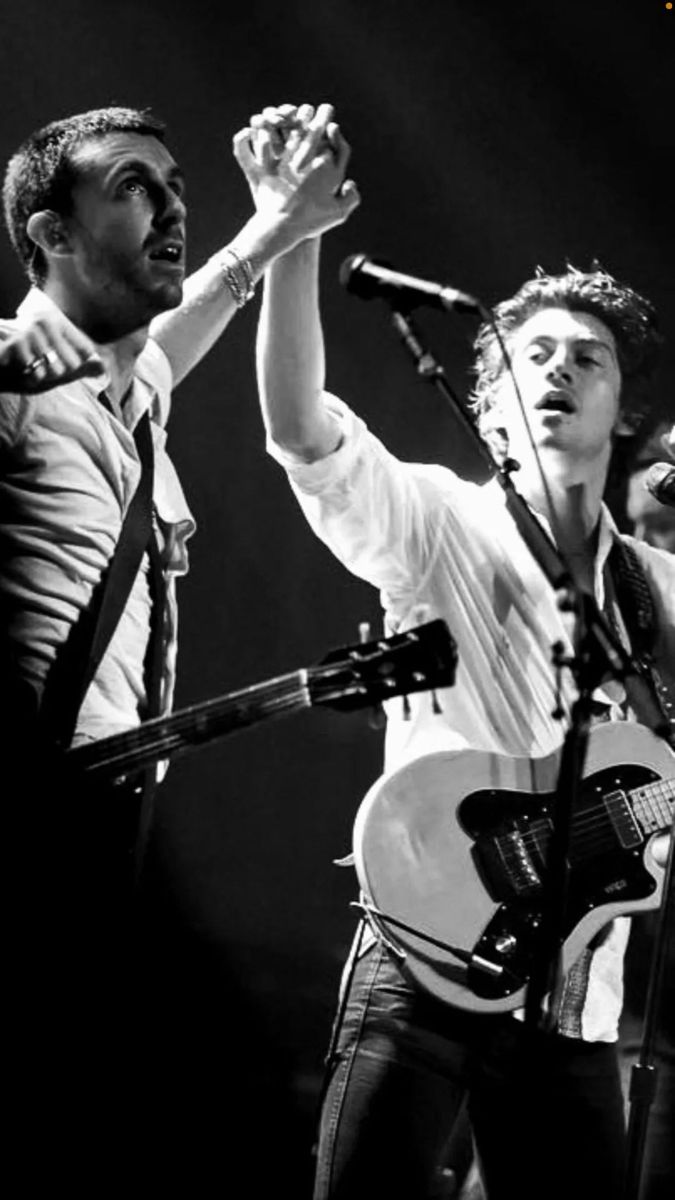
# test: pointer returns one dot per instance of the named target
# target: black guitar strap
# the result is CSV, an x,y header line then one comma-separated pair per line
x,y
650,699
81,653
649,694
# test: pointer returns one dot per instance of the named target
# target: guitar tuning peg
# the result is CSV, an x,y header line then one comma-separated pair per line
x,y
377,717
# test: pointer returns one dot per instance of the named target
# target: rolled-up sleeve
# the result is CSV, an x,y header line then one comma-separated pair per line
x,y
374,512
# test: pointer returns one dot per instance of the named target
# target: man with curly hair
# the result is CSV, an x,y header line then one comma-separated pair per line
x,y
545,1106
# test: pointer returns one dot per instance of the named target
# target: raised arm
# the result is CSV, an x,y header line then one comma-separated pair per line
x,y
290,357
296,195
290,351
294,161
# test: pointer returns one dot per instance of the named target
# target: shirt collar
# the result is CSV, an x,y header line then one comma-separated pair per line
x,y
607,532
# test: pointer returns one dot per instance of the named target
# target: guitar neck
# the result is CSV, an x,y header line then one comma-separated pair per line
x,y
653,805
349,678
164,737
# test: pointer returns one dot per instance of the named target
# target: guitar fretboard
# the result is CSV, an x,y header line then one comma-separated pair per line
x,y
166,736
653,804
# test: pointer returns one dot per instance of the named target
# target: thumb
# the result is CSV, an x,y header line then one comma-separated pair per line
x,y
241,148
92,366
348,197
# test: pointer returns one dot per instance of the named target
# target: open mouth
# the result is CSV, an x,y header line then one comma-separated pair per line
x,y
556,401
170,252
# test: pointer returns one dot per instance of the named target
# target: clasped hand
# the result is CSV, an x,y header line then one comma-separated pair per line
x,y
294,160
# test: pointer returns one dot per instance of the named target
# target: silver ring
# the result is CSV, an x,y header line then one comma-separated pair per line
x,y
51,357
35,365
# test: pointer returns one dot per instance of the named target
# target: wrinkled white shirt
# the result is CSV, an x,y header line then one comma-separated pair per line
x,y
68,471
438,546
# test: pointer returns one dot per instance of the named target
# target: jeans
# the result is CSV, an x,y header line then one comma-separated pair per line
x,y
74,1011
546,1111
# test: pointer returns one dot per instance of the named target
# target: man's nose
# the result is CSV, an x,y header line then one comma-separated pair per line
x,y
171,207
559,366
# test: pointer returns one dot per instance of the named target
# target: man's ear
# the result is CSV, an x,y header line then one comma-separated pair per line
x,y
498,441
494,433
627,424
49,231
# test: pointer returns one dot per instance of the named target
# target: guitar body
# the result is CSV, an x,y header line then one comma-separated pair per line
x,y
453,845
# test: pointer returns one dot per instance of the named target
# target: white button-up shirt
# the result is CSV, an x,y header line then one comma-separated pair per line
x,y
69,468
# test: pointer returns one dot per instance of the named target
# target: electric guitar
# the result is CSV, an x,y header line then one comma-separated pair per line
x,y
352,677
450,852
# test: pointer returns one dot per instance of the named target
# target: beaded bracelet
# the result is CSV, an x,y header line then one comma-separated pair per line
x,y
238,275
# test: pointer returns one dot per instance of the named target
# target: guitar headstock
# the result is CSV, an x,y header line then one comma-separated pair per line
x,y
357,676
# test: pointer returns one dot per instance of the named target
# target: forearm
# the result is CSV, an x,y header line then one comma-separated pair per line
x,y
299,190
290,357
188,332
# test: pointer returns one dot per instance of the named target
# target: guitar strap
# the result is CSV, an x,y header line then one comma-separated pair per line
x,y
153,683
649,694
650,699
81,653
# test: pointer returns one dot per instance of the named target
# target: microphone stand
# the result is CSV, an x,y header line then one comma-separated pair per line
x,y
644,1073
596,651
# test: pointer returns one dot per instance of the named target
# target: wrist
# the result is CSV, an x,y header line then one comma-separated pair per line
x,y
260,244
266,237
236,271
302,259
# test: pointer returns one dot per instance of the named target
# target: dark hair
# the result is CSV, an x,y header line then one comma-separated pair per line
x,y
629,317
42,172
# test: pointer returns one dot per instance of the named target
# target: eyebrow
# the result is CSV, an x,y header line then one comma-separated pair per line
x,y
138,164
589,343
597,343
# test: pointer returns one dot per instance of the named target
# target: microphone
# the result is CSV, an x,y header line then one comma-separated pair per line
x,y
367,278
660,481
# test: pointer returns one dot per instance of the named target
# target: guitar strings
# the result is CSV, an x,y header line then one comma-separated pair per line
x,y
588,829
140,746
148,741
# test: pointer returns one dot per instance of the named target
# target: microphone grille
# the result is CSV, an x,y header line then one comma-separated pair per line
x,y
349,269
659,477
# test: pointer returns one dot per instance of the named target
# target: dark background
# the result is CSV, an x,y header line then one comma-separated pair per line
x,y
487,138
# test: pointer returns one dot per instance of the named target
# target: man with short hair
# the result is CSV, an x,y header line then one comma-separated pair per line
x,y
96,210
545,1107
650,520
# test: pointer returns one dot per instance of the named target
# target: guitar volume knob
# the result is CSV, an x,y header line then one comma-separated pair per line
x,y
505,944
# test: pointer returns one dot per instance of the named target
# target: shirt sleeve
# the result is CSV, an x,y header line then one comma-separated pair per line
x,y
378,515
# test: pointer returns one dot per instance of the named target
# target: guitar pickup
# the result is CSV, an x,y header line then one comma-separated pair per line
x,y
622,820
